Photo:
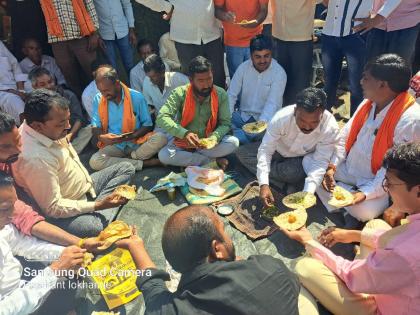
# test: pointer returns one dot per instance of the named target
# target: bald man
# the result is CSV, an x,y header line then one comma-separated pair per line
x,y
123,134
213,280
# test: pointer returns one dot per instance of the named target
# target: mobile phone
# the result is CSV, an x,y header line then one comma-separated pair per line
x,y
126,135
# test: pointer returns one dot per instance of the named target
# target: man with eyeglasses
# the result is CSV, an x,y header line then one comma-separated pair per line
x,y
384,278
388,116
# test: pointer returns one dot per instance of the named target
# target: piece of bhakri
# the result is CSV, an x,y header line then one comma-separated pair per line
x,y
340,197
126,191
113,232
255,127
291,220
301,199
208,143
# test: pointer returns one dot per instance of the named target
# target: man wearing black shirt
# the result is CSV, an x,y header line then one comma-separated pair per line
x,y
213,281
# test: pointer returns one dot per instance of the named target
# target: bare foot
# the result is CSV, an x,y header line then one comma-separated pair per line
x,y
222,163
152,162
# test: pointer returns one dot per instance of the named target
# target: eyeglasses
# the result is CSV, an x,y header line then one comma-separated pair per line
x,y
386,184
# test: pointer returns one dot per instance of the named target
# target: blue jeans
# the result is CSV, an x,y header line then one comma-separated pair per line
x,y
401,42
334,49
125,49
235,56
238,123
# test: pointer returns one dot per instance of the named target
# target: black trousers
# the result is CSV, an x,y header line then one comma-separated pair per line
x,y
296,59
212,50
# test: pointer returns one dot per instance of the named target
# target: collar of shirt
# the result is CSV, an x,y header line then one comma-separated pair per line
x,y
35,134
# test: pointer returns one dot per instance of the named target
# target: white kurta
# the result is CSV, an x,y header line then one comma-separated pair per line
x,y
354,169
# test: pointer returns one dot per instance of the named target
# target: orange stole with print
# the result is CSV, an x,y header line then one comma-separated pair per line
x,y
128,121
188,113
385,136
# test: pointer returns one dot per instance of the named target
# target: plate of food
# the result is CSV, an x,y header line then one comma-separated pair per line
x,y
291,220
340,197
126,191
269,213
301,199
255,127
208,143
225,210
246,22
113,232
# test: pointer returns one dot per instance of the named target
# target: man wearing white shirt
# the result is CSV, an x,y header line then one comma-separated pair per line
x,y
195,30
91,90
387,117
16,296
160,83
258,86
305,131
12,84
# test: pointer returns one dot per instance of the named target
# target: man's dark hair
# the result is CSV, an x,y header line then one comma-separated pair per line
x,y
37,72
6,180
405,159
391,68
199,64
145,42
310,99
7,123
39,103
187,237
29,39
260,42
111,74
154,63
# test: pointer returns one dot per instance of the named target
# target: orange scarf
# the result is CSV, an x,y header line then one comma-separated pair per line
x,y
53,22
128,121
188,113
385,136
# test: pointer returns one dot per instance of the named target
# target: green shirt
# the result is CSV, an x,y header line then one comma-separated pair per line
x,y
169,117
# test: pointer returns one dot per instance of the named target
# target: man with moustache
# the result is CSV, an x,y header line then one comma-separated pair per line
x,y
50,171
195,111
214,280
301,132
256,89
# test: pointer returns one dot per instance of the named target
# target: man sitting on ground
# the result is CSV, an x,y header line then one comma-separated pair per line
x,y
145,48
388,116
122,125
214,280
17,297
302,132
34,58
79,134
384,278
258,84
12,84
159,83
25,218
50,170
193,112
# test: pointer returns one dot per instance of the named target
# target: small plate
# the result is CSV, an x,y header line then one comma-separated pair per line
x,y
225,210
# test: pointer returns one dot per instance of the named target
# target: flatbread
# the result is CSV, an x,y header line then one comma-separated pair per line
x,y
300,199
113,232
87,259
255,127
246,22
198,192
208,143
340,197
291,220
126,191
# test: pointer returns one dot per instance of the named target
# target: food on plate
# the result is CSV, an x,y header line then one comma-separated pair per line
x,y
198,192
291,220
255,127
340,197
225,210
300,199
270,212
245,22
113,232
208,143
126,191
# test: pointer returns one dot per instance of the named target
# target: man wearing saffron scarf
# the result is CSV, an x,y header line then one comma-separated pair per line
x,y
122,125
195,111
72,32
387,117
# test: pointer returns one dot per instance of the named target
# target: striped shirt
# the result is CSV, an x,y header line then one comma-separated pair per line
x,y
341,13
